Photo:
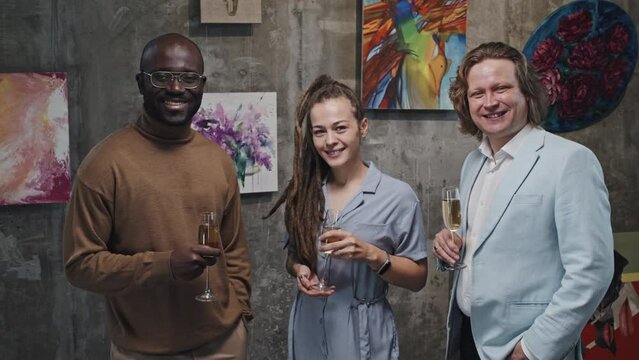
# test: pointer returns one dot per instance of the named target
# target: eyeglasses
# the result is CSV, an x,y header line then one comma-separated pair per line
x,y
163,79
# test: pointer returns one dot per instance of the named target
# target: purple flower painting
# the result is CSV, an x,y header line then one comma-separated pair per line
x,y
244,125
34,138
585,53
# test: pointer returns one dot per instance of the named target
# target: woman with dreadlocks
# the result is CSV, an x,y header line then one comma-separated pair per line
x,y
380,241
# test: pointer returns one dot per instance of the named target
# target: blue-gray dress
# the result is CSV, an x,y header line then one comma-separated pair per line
x,y
356,322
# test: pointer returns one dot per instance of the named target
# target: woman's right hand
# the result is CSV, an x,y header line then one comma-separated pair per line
x,y
307,282
445,248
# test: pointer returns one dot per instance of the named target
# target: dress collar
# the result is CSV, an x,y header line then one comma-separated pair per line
x,y
371,181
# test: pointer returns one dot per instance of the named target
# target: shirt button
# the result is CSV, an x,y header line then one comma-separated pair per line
x,y
321,321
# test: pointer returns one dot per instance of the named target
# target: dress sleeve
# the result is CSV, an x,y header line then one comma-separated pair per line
x,y
88,262
411,242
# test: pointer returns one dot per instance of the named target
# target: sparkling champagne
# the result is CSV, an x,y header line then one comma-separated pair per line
x,y
209,235
330,239
203,234
451,210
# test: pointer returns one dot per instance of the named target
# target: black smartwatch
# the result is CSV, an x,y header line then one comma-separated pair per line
x,y
385,266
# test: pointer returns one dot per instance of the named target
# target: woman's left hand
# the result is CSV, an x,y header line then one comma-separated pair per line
x,y
345,245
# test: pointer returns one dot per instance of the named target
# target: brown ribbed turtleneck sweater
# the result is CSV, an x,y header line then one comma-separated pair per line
x,y
137,194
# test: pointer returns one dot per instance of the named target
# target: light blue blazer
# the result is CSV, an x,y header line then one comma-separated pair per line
x,y
544,258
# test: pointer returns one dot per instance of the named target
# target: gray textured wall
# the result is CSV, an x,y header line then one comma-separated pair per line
x,y
98,44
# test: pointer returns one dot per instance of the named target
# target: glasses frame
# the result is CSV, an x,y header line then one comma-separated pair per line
x,y
174,75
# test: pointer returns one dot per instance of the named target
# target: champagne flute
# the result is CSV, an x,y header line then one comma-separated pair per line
x,y
330,223
209,235
451,211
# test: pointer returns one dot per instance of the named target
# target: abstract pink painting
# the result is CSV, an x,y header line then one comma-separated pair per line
x,y
34,138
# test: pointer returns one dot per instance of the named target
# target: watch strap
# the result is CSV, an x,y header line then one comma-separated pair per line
x,y
385,266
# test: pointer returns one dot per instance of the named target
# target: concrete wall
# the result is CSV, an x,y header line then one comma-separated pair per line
x,y
98,44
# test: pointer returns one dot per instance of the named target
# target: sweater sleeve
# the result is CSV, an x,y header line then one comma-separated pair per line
x,y
88,263
236,250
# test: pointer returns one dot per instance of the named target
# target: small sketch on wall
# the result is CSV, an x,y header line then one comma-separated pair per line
x,y
231,11
34,138
410,50
245,127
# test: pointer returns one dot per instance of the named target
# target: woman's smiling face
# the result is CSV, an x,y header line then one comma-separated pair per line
x,y
337,134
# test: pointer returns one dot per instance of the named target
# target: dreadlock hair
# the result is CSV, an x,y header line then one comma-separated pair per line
x,y
303,195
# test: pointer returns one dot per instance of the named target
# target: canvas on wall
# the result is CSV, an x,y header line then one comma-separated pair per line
x,y
613,331
34,138
585,53
231,11
410,50
245,126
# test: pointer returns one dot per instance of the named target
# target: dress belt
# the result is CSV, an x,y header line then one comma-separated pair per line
x,y
362,306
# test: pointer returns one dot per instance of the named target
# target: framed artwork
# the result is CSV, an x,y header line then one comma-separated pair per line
x,y
231,11
245,127
585,52
410,50
613,332
34,138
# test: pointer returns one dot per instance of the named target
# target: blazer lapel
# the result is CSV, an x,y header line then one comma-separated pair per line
x,y
523,163
468,178
470,171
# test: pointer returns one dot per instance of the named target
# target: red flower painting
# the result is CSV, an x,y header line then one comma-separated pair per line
x,y
575,26
617,38
589,55
585,53
577,94
551,79
614,74
547,53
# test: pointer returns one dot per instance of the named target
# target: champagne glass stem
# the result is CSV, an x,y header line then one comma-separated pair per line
x,y
207,289
452,236
322,284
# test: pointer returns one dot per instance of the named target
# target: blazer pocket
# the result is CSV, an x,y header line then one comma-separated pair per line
x,y
528,199
529,304
521,314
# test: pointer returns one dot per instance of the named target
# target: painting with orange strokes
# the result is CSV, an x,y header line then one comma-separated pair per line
x,y
410,51
34,138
